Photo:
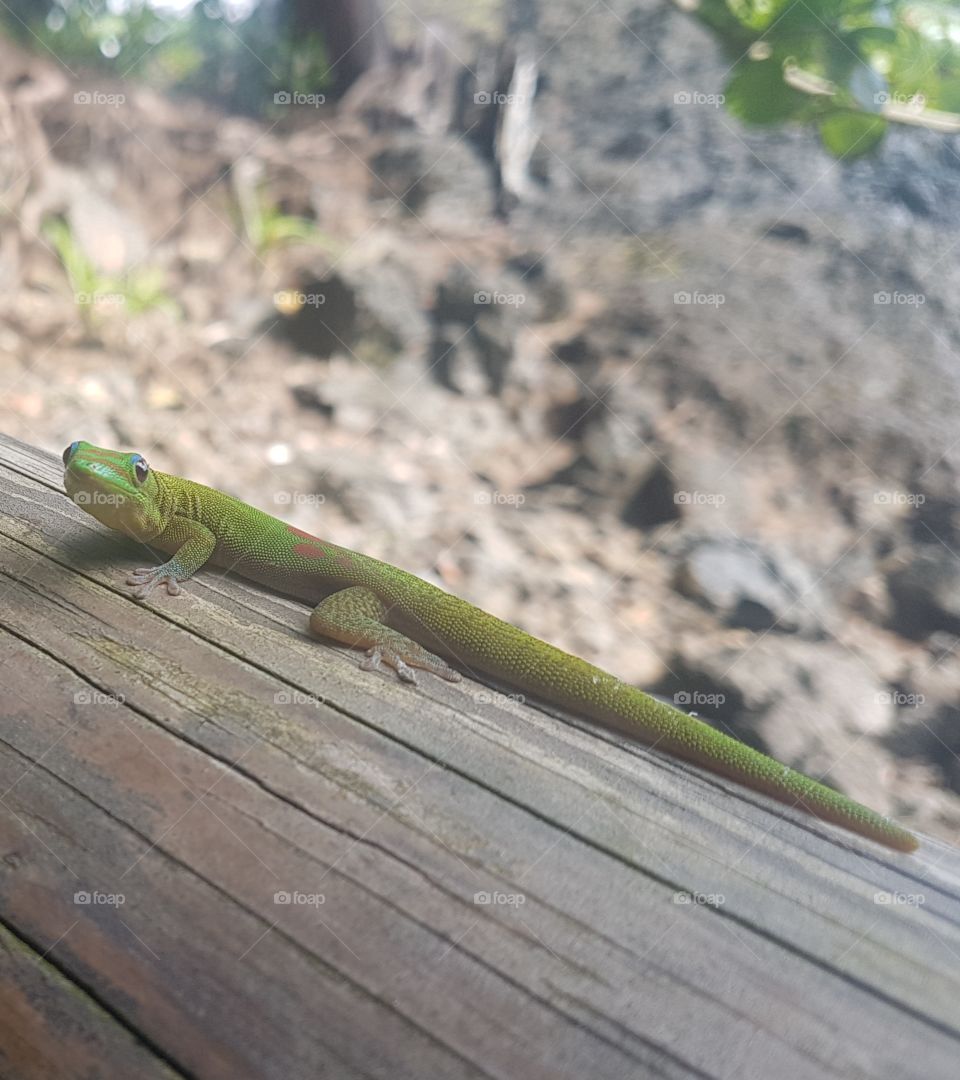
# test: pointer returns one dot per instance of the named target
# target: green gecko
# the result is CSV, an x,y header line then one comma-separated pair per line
x,y
407,623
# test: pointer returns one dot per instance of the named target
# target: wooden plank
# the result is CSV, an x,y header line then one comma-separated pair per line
x,y
52,1029
232,757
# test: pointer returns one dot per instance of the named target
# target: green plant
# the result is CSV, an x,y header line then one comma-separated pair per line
x,y
267,227
81,273
95,35
244,64
136,291
851,67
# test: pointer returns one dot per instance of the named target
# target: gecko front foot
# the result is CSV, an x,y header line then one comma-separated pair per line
x,y
147,578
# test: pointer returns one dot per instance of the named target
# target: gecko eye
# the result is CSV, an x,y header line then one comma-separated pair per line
x,y
140,468
69,452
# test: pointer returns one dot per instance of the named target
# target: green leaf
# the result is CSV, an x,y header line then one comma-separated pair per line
x,y
867,38
756,14
757,93
948,95
848,135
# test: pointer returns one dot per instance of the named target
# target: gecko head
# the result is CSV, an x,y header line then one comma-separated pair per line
x,y
119,490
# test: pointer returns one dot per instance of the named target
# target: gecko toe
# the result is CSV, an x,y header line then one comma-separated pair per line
x,y
373,660
404,672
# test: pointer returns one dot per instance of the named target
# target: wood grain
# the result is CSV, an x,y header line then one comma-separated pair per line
x,y
225,851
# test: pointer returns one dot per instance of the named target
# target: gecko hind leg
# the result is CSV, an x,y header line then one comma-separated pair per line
x,y
354,616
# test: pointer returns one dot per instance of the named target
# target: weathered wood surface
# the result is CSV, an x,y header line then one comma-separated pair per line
x,y
199,755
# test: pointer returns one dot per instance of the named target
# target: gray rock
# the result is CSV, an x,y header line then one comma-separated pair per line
x,y
925,593
745,586
476,327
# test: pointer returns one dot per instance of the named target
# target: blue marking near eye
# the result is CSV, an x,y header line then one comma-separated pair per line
x,y
140,467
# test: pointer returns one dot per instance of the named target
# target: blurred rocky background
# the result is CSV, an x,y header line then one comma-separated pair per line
x,y
511,300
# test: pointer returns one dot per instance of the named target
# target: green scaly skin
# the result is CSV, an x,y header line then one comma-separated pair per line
x,y
407,623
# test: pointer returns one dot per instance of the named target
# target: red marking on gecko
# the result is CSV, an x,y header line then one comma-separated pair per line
x,y
309,551
312,549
